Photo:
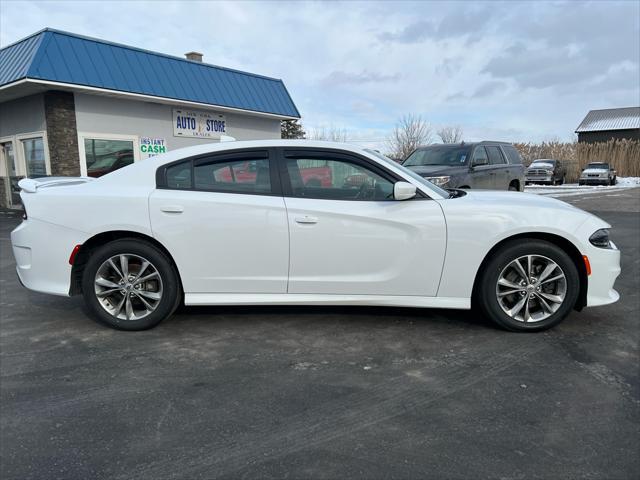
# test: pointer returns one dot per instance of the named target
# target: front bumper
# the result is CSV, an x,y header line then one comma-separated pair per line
x,y
594,181
539,179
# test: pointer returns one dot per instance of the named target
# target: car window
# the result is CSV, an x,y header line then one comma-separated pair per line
x,y
512,154
239,176
480,156
179,175
336,180
495,155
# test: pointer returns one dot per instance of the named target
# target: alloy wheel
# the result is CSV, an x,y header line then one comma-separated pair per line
x,y
531,288
128,286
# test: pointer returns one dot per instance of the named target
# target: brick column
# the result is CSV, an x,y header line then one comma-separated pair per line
x,y
62,133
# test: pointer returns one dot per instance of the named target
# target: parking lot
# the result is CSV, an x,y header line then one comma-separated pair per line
x,y
318,392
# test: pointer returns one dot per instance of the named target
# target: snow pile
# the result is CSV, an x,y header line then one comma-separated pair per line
x,y
628,181
571,189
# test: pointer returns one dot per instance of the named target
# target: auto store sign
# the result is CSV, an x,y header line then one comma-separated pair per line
x,y
194,123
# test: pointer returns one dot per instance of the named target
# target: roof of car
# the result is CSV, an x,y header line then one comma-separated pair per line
x,y
465,144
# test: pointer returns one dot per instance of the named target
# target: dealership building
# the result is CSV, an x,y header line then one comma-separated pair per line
x,y
72,105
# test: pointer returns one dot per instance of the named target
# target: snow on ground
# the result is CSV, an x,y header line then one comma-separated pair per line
x,y
572,189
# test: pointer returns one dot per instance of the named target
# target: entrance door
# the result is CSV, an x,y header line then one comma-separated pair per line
x,y
10,175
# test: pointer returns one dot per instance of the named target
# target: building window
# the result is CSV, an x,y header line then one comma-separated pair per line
x,y
34,159
104,156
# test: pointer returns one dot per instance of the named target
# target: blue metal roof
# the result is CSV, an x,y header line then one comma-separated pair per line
x,y
64,57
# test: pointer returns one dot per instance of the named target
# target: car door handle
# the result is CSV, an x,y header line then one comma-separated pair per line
x,y
172,209
306,219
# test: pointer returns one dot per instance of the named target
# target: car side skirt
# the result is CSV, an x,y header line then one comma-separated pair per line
x,y
311,299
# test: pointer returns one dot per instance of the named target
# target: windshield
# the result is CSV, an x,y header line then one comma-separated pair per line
x,y
438,155
543,163
411,173
603,166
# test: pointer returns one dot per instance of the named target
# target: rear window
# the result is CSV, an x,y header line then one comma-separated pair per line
x,y
512,154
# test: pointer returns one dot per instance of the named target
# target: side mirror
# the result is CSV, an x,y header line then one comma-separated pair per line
x,y
403,191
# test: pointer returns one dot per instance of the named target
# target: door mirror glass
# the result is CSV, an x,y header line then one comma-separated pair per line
x,y
403,191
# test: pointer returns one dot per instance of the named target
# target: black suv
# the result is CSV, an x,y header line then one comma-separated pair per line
x,y
483,165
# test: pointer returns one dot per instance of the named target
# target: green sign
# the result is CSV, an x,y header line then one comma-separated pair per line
x,y
153,146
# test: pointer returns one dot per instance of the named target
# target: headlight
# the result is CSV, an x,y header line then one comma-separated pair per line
x,y
439,181
549,172
600,238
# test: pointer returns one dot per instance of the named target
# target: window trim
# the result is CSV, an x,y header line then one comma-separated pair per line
x,y
284,153
225,156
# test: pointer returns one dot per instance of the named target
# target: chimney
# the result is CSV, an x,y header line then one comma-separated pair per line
x,y
195,56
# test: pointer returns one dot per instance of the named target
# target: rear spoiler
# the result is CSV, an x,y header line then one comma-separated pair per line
x,y
31,185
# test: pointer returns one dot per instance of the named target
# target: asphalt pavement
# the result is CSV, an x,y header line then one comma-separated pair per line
x,y
319,392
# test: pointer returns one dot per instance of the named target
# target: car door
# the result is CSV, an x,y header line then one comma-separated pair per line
x,y
481,170
500,167
351,237
226,229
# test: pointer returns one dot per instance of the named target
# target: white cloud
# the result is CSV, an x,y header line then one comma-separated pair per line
x,y
506,71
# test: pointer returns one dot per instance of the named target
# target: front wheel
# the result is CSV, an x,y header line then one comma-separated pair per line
x,y
130,285
529,285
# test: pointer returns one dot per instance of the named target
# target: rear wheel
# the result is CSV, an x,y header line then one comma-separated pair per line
x,y
529,285
130,285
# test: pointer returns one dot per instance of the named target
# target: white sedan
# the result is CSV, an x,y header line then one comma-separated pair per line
x,y
298,222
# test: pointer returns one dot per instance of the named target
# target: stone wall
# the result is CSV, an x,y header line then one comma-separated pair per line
x,y
62,133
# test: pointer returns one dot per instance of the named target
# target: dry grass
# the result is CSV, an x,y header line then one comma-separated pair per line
x,y
623,155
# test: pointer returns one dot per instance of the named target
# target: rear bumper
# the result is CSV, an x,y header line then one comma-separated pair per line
x,y
41,251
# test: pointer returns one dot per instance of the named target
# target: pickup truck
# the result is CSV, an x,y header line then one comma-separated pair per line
x,y
598,173
546,170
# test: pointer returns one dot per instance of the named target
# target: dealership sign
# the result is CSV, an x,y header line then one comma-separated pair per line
x,y
194,123
153,146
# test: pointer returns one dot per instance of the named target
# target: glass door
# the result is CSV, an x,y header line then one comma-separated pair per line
x,y
10,176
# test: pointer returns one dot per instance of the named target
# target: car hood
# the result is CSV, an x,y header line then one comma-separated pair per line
x,y
438,170
511,210
540,166
516,199
594,170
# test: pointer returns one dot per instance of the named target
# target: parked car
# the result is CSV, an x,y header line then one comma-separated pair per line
x,y
110,162
141,240
484,165
546,170
598,173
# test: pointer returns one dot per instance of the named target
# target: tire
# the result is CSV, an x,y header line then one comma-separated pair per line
x,y
562,181
580,184
146,310
501,267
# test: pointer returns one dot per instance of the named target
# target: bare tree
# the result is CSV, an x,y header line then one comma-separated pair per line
x,y
450,134
331,134
410,132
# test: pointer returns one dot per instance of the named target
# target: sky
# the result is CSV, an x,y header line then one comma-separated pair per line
x,y
512,71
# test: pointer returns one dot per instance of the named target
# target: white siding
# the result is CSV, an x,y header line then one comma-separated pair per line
x,y
105,115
